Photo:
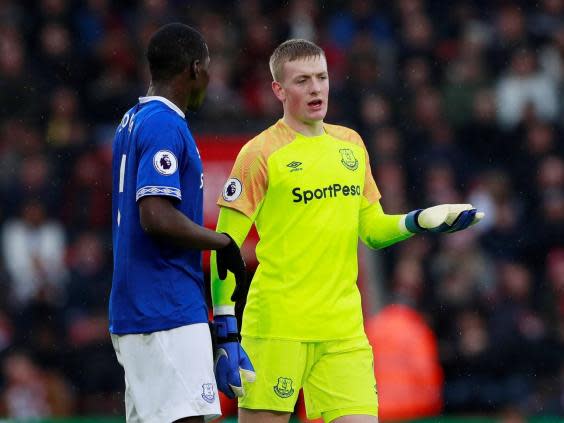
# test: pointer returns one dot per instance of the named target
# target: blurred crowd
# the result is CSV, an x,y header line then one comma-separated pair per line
x,y
458,101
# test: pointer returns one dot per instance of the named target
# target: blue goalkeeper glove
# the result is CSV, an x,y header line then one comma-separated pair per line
x,y
231,361
442,218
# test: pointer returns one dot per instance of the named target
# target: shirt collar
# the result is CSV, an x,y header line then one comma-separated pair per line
x,y
164,100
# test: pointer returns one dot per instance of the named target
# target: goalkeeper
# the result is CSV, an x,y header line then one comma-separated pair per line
x,y
308,188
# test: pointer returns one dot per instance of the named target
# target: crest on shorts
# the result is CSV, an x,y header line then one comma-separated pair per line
x,y
348,159
284,387
208,393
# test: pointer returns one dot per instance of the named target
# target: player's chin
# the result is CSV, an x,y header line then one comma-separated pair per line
x,y
314,115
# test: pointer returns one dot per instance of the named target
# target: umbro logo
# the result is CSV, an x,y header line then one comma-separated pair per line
x,y
295,166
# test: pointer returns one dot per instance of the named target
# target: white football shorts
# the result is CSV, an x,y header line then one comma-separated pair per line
x,y
168,374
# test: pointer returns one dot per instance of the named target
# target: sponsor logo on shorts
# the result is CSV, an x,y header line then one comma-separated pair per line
x,y
348,159
284,387
208,393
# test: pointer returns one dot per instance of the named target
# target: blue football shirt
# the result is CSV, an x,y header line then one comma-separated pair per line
x,y
156,286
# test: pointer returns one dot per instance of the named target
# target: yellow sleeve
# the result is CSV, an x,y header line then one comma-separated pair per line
x,y
379,230
247,184
371,192
237,225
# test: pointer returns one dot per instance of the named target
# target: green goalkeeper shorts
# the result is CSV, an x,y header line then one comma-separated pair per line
x,y
337,377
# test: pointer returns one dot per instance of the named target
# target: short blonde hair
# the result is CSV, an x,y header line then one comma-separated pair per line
x,y
289,51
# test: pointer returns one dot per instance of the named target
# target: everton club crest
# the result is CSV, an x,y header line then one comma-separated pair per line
x,y
284,387
208,393
348,159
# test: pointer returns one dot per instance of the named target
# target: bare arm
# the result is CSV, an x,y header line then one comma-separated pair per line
x,y
160,219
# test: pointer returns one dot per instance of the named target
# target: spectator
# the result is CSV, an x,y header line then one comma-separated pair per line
x,y
15,80
466,76
89,277
301,19
55,45
406,360
554,295
440,183
65,127
92,20
386,145
523,87
482,139
87,202
475,372
33,249
417,35
548,18
34,180
510,32
392,177
463,273
31,392
375,113
514,319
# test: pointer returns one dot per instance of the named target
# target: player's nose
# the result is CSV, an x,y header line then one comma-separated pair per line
x,y
315,87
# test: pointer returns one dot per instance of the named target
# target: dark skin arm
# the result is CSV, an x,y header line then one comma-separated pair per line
x,y
160,219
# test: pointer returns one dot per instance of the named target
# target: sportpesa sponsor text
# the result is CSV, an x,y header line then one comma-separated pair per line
x,y
330,191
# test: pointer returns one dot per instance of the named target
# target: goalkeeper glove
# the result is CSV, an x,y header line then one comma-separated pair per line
x,y
442,218
231,360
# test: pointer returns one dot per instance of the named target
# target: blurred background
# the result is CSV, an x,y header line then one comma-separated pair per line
x,y
457,101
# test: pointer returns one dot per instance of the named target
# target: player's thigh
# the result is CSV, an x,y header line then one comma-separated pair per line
x,y
341,382
169,374
279,367
262,416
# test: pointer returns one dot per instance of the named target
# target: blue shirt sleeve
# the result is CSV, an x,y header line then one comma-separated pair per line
x,y
160,151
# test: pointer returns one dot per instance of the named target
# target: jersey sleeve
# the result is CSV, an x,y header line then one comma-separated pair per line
x,y
247,184
371,192
160,150
379,230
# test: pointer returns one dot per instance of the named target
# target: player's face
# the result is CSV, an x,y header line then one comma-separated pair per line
x,y
305,89
201,84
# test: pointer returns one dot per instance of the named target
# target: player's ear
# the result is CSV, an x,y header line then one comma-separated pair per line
x,y
278,90
195,69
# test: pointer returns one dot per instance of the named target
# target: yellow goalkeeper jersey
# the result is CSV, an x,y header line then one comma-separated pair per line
x,y
305,195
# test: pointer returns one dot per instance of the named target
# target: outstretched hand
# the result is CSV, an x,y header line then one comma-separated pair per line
x,y
443,218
